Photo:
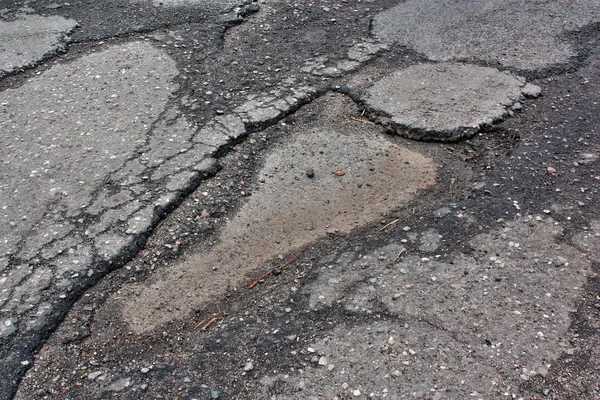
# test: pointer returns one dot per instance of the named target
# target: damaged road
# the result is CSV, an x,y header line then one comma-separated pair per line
x,y
432,207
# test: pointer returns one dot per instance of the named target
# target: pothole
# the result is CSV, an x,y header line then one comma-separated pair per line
x,y
327,178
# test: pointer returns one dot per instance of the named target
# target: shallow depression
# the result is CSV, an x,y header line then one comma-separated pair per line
x,y
355,178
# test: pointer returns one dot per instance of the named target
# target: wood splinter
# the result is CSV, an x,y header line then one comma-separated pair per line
x,y
205,320
390,224
210,322
364,121
398,256
262,278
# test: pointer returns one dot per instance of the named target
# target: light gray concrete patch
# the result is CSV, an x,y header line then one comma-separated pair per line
x,y
356,55
70,128
221,130
430,240
79,145
169,138
443,101
513,33
31,38
184,160
389,359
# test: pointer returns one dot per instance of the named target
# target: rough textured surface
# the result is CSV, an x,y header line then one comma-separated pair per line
x,y
44,124
30,39
289,210
243,76
478,316
443,101
526,35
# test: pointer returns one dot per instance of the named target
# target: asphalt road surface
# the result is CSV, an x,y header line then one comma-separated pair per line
x,y
289,200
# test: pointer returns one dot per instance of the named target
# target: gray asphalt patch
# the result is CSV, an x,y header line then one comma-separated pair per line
x,y
522,34
30,39
444,101
493,319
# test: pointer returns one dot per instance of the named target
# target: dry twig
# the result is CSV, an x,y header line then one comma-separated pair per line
x,y
398,256
210,322
364,121
205,320
391,223
259,280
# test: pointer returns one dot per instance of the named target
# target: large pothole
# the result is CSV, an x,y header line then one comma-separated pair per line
x,y
327,178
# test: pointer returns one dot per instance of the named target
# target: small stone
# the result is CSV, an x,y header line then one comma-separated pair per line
x,y
94,375
330,367
551,170
543,371
145,370
215,394
516,107
546,391
249,366
310,173
531,90
24,363
356,393
345,385
143,386
119,385
341,172
323,361
396,373
310,350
